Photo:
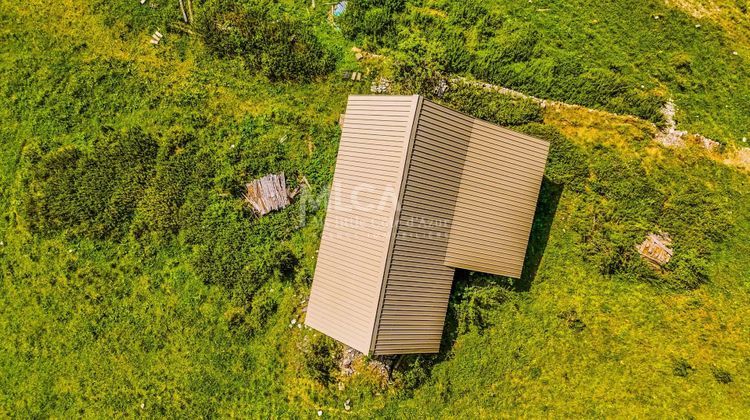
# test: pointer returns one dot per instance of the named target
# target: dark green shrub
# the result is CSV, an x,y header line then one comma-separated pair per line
x,y
625,183
466,13
515,43
455,57
473,312
572,320
492,106
687,269
292,51
271,39
682,368
371,21
96,193
321,356
742,5
160,207
623,208
414,374
241,253
721,375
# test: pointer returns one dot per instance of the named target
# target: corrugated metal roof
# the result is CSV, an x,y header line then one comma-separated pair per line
x,y
463,193
357,234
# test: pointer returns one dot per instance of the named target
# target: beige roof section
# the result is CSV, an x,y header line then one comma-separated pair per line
x,y
463,193
419,283
499,185
357,234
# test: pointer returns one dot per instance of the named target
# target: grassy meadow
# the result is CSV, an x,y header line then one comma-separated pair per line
x,y
135,282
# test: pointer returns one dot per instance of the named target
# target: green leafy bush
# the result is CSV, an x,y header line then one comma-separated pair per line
x,y
474,309
371,21
682,368
455,57
321,355
722,376
466,13
94,193
492,106
270,38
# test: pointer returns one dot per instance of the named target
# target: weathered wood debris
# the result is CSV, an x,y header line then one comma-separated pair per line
x,y
656,249
156,37
186,7
352,75
270,193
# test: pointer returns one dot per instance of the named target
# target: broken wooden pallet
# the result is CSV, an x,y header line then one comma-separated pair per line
x,y
656,249
269,193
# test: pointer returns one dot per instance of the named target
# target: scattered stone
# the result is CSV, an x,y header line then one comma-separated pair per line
x,y
347,405
441,88
670,136
347,358
381,85
320,413
743,155
708,144
697,25
361,54
656,249
735,53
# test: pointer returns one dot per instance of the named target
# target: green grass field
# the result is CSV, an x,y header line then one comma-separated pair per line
x,y
135,282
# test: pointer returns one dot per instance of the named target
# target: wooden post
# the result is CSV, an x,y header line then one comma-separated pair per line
x,y
182,9
190,11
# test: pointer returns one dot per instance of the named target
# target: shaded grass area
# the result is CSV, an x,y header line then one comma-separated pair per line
x,y
149,289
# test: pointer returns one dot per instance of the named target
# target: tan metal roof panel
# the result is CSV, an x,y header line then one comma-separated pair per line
x,y
385,267
357,234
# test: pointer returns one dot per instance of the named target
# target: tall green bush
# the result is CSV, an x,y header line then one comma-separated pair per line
x,y
372,22
271,39
92,193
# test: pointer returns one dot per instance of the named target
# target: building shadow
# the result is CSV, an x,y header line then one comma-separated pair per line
x,y
546,207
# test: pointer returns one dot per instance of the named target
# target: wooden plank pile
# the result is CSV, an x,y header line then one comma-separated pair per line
x,y
269,193
656,249
156,37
